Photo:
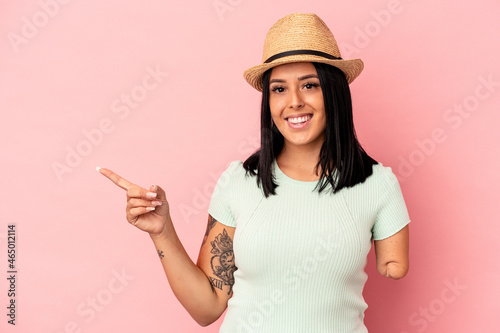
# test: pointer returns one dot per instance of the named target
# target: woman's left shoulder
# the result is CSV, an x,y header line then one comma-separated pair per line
x,y
382,176
382,171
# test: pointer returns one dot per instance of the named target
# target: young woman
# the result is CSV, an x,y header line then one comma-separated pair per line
x,y
290,228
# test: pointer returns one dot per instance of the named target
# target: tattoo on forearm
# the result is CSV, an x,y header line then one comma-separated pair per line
x,y
216,283
222,262
160,253
211,285
210,225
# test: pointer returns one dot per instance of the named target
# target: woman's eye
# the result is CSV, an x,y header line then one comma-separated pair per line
x,y
278,89
310,85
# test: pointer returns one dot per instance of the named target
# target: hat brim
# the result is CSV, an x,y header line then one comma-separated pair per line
x,y
351,68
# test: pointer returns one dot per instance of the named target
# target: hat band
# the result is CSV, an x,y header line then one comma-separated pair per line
x,y
295,52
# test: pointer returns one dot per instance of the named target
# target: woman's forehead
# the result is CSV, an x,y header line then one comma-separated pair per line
x,y
293,70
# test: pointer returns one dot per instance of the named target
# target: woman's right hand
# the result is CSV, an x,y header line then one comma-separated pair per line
x,y
147,210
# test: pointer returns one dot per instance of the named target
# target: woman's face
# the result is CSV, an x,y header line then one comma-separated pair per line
x,y
296,102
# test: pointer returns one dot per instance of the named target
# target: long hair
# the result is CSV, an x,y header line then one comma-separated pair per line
x,y
342,160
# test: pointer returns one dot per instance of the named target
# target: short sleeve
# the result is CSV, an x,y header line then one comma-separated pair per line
x,y
392,214
220,207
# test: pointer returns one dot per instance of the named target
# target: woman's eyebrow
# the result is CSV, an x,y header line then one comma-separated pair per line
x,y
305,77
308,76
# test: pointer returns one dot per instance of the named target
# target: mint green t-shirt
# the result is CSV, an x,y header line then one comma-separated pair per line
x,y
301,254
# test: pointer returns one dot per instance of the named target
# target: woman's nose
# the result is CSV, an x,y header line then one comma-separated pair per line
x,y
296,100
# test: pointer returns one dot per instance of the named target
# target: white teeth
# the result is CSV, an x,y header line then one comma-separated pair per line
x,y
299,120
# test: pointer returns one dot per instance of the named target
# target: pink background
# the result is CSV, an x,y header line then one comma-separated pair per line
x,y
66,68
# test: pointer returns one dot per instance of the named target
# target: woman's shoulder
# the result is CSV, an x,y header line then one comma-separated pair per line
x,y
234,168
383,172
235,164
234,171
236,179
383,178
381,181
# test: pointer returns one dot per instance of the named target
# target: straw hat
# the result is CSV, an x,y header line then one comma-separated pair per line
x,y
301,38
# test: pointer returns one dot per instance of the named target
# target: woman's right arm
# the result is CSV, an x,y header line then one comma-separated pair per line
x,y
203,289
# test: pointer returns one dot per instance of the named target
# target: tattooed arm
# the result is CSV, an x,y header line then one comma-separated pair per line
x,y
216,258
205,288
202,289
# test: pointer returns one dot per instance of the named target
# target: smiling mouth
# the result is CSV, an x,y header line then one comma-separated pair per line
x,y
299,120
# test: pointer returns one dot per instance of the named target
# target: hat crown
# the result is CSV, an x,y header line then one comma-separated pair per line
x,y
299,32
301,38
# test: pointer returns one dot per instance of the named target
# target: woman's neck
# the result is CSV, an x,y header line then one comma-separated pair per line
x,y
299,162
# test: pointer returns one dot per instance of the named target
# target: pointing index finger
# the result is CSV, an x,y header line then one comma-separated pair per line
x,y
119,181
